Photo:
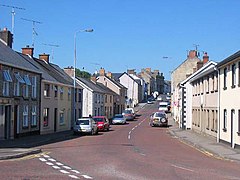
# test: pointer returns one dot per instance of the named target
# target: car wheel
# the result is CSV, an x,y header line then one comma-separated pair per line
x,y
96,132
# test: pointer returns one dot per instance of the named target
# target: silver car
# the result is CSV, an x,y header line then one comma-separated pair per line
x,y
118,119
159,119
85,125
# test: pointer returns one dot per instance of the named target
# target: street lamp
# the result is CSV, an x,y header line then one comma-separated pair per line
x,y
74,72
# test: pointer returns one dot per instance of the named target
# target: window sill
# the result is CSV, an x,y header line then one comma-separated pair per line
x,y
225,88
25,127
212,91
233,86
47,97
33,126
207,128
238,133
207,92
34,98
224,129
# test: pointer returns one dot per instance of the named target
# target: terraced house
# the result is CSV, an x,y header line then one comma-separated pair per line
x,y
19,92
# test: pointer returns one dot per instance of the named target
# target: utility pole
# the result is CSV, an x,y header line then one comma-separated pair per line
x,y
33,28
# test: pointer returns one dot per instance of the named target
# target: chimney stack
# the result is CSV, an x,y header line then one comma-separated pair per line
x,y
109,74
94,79
199,65
102,72
131,71
192,54
148,70
69,71
44,57
7,37
27,51
205,58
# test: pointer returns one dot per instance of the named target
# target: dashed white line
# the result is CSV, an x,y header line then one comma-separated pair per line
x,y
183,168
51,159
66,167
46,156
49,163
129,137
87,177
42,159
64,172
56,167
77,172
73,176
59,164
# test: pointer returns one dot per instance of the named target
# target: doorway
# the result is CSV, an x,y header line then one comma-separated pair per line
x,y
55,119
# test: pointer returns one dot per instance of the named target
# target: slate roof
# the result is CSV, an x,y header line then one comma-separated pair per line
x,y
91,85
116,82
11,58
106,89
116,76
53,72
45,74
229,59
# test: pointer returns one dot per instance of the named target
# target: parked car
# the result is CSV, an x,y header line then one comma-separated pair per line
x,y
159,119
85,125
102,123
163,106
118,119
128,115
132,110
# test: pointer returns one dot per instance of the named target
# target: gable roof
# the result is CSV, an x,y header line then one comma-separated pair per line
x,y
106,89
206,69
94,87
115,82
11,58
229,59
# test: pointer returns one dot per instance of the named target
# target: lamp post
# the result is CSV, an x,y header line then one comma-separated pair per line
x,y
74,72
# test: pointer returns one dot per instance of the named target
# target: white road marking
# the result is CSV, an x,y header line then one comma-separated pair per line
x,y
51,159
46,156
73,176
64,172
58,163
129,137
77,172
56,167
42,159
87,177
183,168
66,167
49,163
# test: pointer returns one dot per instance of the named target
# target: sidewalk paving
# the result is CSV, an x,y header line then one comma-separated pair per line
x,y
24,146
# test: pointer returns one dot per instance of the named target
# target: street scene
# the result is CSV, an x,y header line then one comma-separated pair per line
x,y
128,90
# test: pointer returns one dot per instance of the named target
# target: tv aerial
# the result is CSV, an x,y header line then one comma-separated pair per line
x,y
13,13
34,33
52,46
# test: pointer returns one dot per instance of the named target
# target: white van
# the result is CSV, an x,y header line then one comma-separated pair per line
x,y
163,106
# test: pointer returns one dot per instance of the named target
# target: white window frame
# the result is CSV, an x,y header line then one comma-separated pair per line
x,y
25,116
34,115
34,87
17,88
6,88
61,118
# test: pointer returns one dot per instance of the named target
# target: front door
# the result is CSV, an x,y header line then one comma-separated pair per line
x,y
2,122
55,119
7,128
16,121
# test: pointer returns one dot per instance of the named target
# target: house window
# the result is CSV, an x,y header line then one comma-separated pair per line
x,y
34,116
55,91
207,90
208,119
61,117
233,75
95,98
110,99
99,98
61,93
17,84
212,88
238,73
79,95
224,120
16,89
213,120
69,94
225,78
216,82
25,90
46,91
34,87
45,116
6,83
105,98
25,116
79,113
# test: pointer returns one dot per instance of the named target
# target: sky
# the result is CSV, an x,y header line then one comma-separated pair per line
x,y
128,34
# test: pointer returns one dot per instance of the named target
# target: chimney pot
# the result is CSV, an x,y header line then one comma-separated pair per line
x,y
205,58
28,51
44,57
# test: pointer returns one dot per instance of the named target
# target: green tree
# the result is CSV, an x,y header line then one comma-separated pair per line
x,y
82,74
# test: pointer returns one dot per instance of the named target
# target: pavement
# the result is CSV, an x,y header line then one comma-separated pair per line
x,y
24,146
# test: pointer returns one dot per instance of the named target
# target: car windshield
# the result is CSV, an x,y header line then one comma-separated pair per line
x,y
82,122
159,115
127,112
118,116
98,119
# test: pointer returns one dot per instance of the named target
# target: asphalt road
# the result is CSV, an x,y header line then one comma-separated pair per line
x,y
134,151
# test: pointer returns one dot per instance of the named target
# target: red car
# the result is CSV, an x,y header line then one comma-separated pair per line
x,y
102,123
